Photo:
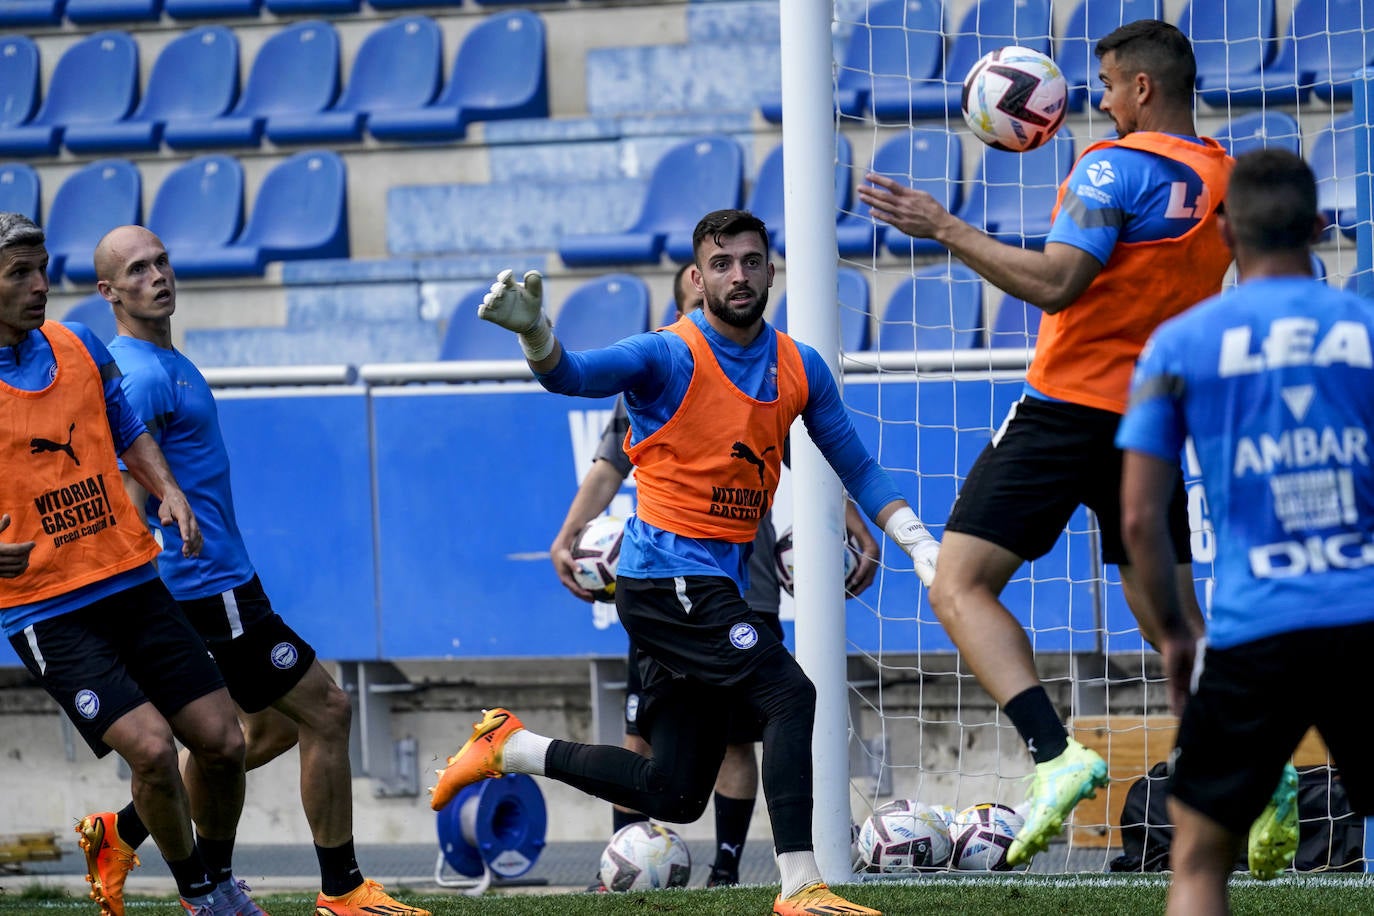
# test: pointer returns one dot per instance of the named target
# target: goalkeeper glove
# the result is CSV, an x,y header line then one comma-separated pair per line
x,y
519,307
906,529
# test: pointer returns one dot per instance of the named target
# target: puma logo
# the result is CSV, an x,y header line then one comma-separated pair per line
x,y
740,450
38,444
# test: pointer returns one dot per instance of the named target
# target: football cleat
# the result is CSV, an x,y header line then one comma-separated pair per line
x,y
108,860
819,900
1274,834
722,877
231,899
367,899
480,758
1056,786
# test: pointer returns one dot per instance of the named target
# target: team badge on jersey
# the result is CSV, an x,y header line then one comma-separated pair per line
x,y
284,655
743,636
87,704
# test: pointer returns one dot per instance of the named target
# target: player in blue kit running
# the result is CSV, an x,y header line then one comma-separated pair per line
x,y
284,694
1274,383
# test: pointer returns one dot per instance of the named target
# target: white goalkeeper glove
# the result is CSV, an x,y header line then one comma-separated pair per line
x,y
906,529
519,307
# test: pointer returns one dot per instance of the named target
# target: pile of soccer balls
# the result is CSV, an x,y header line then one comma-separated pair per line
x,y
909,836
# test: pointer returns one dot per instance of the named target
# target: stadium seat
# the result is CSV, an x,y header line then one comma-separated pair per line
x,y
469,337
397,68
92,201
1090,21
766,197
311,7
31,12
211,9
1324,45
199,207
602,311
19,79
300,211
691,179
87,11
95,313
1258,130
410,4
1332,158
930,159
1013,194
1016,324
19,190
852,308
986,26
295,72
195,77
1232,40
940,307
95,81
1318,267
499,72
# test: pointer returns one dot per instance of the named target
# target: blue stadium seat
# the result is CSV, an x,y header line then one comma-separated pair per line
x,y
300,211
940,307
295,72
19,79
1016,324
92,201
692,178
1232,40
397,68
95,313
929,159
199,206
31,12
410,4
766,197
211,9
19,190
469,337
986,26
499,72
1318,268
602,311
1325,44
1332,158
1013,194
311,7
86,11
852,308
1258,130
195,77
95,81
1090,21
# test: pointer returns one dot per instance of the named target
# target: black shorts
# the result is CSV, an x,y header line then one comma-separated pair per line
x,y
1253,704
744,727
112,656
262,658
1047,459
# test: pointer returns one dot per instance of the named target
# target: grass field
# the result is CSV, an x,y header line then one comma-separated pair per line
x,y
1021,895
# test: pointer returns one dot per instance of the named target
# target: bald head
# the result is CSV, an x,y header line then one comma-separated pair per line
x,y
109,251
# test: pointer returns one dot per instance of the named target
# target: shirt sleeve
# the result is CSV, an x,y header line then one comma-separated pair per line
x,y
1154,422
1096,203
125,423
639,364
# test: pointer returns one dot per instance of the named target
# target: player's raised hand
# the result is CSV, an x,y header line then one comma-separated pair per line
x,y
915,212
517,307
14,558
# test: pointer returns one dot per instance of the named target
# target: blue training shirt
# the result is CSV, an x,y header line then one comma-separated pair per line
x,y
1274,382
174,400
653,370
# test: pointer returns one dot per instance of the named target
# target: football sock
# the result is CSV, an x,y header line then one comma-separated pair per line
x,y
1035,719
189,874
218,856
621,819
732,827
339,872
525,752
130,826
798,870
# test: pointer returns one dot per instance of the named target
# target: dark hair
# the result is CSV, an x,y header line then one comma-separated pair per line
x,y
1158,49
719,223
1271,202
17,230
683,293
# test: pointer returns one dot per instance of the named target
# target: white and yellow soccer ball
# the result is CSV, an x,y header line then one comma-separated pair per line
x,y
644,855
982,834
904,835
596,554
1015,99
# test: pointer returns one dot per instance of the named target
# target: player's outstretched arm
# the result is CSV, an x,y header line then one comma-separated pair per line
x,y
519,307
14,558
595,493
148,466
901,524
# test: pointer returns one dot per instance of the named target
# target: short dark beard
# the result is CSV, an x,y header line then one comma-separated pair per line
x,y
722,309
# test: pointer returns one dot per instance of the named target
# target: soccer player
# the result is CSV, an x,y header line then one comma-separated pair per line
x,y
283,693
711,399
737,784
1133,242
1274,382
80,598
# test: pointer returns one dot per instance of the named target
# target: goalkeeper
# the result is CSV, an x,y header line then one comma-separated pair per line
x,y
711,399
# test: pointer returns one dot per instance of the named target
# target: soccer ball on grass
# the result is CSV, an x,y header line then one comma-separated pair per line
x,y
904,835
644,855
982,834
1015,99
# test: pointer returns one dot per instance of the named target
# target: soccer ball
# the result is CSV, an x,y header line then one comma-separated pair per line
x,y
904,835
1015,99
782,558
982,835
645,855
596,553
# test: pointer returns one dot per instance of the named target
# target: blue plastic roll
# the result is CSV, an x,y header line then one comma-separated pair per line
x,y
497,824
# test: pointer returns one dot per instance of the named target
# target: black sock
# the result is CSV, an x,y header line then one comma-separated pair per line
x,y
1034,717
130,826
732,828
339,872
190,876
219,858
621,819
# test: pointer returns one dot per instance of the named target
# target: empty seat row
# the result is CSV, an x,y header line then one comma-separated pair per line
x,y
292,94
51,12
300,211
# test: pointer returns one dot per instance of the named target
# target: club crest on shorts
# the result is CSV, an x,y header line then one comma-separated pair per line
x,y
631,707
87,704
284,655
743,636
